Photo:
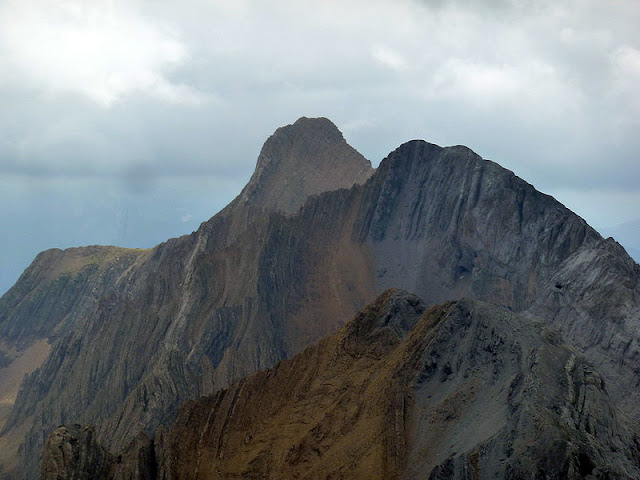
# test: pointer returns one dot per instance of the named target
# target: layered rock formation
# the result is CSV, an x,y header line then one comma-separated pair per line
x,y
464,390
133,334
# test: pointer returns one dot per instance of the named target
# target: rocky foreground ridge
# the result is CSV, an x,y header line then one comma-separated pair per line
x,y
127,336
463,390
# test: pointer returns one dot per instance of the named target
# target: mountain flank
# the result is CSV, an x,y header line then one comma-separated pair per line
x,y
628,234
133,334
458,391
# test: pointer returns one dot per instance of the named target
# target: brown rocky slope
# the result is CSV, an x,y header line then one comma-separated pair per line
x,y
134,334
463,390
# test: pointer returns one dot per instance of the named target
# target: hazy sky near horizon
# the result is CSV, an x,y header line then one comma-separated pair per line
x,y
128,122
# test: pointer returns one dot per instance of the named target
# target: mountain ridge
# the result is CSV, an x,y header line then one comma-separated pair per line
x,y
256,284
182,359
387,396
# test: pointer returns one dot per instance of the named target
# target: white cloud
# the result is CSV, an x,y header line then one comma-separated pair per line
x,y
104,50
529,90
362,123
629,61
627,77
474,81
389,58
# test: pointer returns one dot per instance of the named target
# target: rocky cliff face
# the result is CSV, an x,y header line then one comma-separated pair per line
x,y
133,334
594,300
465,390
445,223
52,304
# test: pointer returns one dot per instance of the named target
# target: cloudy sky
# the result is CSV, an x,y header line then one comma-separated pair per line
x,y
128,122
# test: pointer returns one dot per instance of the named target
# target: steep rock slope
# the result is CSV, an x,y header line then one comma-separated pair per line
x,y
254,285
67,285
594,300
52,302
283,182
445,223
73,453
130,342
465,390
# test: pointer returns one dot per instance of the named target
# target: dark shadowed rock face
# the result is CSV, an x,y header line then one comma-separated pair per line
x,y
73,453
464,390
445,223
133,334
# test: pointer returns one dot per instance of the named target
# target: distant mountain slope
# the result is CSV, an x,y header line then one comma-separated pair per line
x,y
594,300
133,338
464,390
628,234
444,223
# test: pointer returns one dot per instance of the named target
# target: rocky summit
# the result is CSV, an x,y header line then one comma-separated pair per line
x,y
534,375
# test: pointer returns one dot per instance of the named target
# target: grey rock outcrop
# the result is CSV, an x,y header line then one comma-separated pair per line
x,y
594,300
503,397
445,223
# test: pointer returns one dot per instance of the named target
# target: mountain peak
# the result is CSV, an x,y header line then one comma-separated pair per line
x,y
314,125
305,158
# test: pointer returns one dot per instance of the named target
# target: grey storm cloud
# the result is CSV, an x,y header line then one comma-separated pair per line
x,y
141,119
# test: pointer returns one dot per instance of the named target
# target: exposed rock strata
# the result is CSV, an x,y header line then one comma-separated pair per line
x,y
594,300
135,333
465,390
445,223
